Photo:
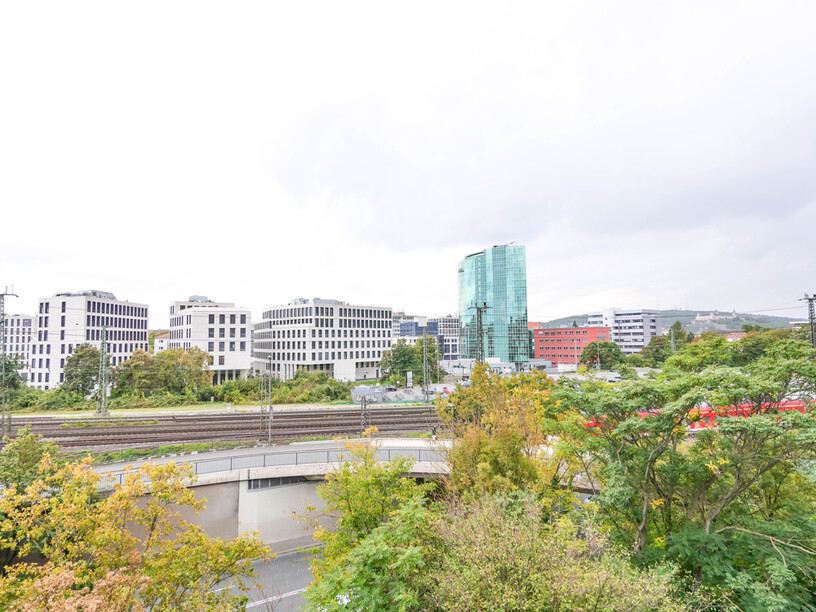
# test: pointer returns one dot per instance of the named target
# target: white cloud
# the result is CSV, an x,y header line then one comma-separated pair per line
x,y
260,152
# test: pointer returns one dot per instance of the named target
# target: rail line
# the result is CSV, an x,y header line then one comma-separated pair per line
x,y
140,429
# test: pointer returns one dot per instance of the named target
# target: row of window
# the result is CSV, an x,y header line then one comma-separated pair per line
x,y
321,356
222,332
221,346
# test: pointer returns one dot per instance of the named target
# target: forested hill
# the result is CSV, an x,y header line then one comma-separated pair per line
x,y
722,321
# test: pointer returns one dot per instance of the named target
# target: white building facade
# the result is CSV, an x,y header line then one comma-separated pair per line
x,y
19,331
631,329
448,328
66,320
218,328
346,341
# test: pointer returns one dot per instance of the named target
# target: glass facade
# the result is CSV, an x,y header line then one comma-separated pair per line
x,y
495,282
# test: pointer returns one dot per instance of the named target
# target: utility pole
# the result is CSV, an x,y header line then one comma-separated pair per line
x,y
102,399
811,317
269,420
5,414
598,346
425,365
480,332
364,419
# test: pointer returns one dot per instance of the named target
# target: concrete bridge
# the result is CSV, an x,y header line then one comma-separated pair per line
x,y
265,490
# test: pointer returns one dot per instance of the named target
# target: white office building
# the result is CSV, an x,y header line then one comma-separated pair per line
x,y
448,328
67,320
19,331
344,340
218,328
631,329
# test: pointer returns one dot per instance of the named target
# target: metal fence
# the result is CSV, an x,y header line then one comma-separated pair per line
x,y
293,457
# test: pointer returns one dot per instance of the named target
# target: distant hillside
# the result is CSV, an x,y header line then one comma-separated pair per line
x,y
722,321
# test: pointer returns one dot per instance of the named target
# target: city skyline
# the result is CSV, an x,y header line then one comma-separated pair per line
x,y
648,156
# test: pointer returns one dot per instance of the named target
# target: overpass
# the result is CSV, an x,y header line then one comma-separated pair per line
x,y
266,490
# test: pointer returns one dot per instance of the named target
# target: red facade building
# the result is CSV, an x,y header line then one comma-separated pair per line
x,y
565,344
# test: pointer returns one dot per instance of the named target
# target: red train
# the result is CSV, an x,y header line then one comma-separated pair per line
x,y
707,417
703,418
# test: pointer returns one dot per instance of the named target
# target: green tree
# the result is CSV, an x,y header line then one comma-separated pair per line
x,y
82,370
698,503
402,358
183,370
681,337
611,355
655,353
755,345
498,554
13,363
385,570
138,375
360,495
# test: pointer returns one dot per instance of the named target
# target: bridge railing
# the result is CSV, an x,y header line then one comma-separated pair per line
x,y
290,458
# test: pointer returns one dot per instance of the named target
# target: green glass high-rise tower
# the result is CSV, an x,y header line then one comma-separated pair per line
x,y
493,288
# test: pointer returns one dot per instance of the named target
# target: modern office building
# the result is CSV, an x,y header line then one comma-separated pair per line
x,y
444,329
19,332
67,320
493,305
631,329
219,328
564,345
343,340
448,329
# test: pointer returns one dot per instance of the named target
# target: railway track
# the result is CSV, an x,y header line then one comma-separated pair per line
x,y
101,432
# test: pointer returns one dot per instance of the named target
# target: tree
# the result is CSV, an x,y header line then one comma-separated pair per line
x,y
130,548
611,355
360,495
698,503
384,571
82,370
498,554
681,338
20,462
402,358
656,352
183,370
503,428
137,375
13,378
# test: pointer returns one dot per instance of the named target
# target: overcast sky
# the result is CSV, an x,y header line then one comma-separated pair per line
x,y
648,154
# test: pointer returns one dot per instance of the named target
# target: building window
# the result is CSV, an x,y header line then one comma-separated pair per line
x,y
221,347
220,360
211,346
211,319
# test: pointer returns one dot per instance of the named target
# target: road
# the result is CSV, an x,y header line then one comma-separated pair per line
x,y
283,580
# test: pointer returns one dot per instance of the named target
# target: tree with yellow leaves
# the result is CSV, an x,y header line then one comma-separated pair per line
x,y
126,549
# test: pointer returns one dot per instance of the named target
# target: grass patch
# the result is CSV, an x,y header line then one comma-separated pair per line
x,y
80,423
166,449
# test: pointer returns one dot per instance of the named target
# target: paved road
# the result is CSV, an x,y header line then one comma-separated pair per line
x,y
282,580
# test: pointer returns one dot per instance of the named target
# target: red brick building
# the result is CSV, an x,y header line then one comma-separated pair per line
x,y
565,344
